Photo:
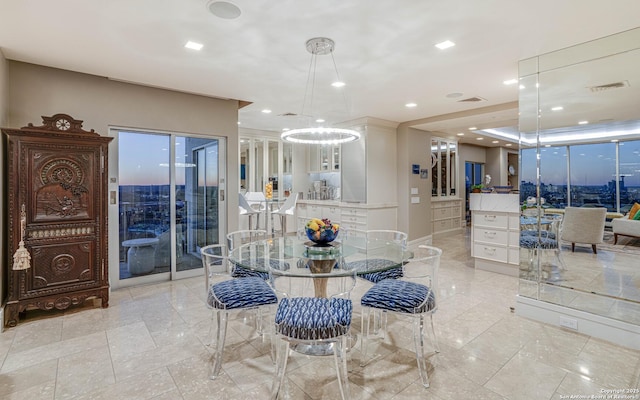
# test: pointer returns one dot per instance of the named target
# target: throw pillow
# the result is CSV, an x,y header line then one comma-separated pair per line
x,y
634,210
637,217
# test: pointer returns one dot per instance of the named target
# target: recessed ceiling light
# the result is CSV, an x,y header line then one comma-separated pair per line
x,y
510,81
266,111
285,129
473,128
508,145
583,122
480,138
319,120
614,140
547,145
557,108
445,45
338,84
495,141
239,122
460,134
411,105
193,45
224,9
522,87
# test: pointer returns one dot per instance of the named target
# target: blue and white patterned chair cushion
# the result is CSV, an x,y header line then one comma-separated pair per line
x,y
533,232
260,264
399,296
376,263
241,293
313,318
533,242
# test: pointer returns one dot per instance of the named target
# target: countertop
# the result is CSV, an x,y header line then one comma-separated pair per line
x,y
338,203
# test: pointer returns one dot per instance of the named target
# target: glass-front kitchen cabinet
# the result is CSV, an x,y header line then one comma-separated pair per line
x,y
264,160
444,153
324,158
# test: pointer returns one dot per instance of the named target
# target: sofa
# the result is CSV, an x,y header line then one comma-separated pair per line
x,y
625,227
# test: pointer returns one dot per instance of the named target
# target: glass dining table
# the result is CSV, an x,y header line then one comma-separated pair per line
x,y
298,256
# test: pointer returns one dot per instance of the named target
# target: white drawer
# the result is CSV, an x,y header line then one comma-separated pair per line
x,y
441,225
514,238
490,252
490,236
441,213
351,225
456,223
333,213
314,211
353,211
489,219
301,210
455,211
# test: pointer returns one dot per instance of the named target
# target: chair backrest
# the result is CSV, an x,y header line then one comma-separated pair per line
x,y
423,268
335,281
386,244
583,224
214,261
244,205
237,238
289,205
256,200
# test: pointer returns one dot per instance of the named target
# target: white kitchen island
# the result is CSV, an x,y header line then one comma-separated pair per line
x,y
495,232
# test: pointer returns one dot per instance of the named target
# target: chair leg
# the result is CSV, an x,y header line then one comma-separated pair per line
x,y
573,247
593,247
340,357
282,356
418,338
364,329
221,332
615,238
434,338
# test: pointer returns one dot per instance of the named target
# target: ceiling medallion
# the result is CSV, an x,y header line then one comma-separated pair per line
x,y
319,135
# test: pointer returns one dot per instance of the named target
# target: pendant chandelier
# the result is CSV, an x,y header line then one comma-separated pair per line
x,y
319,46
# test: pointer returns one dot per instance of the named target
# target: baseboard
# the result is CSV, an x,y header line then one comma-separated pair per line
x,y
497,267
612,330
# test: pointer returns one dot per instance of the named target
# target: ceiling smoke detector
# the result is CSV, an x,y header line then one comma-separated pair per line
x,y
609,86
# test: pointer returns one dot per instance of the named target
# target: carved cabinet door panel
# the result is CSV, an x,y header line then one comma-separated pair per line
x,y
57,176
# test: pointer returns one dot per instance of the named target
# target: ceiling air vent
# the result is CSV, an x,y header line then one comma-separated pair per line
x,y
287,114
472,100
609,86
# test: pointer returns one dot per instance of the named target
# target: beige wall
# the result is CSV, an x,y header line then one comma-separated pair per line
x,y
35,91
414,147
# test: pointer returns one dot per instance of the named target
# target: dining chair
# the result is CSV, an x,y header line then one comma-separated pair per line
x,y
246,209
413,295
313,317
538,244
287,208
226,295
380,255
258,202
238,238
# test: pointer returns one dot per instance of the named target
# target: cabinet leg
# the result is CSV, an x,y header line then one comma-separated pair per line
x,y
11,315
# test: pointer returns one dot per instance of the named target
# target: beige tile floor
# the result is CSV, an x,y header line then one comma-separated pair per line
x,y
149,344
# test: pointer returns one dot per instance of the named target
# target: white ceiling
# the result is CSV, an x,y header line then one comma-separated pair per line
x,y
384,51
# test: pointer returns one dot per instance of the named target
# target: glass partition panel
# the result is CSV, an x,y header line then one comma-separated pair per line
x,y
260,173
435,157
579,128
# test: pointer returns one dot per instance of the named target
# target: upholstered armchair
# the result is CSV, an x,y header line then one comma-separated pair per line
x,y
583,225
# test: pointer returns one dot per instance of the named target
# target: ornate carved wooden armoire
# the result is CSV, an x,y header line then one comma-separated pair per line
x,y
56,205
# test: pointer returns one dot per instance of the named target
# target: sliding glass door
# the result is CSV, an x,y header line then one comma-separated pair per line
x,y
167,211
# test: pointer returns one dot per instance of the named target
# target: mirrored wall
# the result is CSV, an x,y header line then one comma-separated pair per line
x,y
580,147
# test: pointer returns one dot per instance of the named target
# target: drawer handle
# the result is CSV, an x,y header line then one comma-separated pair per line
x,y
490,217
490,234
490,250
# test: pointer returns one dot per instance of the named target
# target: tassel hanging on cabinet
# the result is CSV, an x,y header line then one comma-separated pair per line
x,y
22,258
